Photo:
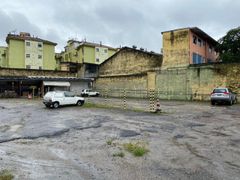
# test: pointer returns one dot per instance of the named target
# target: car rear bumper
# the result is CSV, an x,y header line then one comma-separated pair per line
x,y
220,99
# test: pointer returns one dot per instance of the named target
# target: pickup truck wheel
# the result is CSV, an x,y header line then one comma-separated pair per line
x,y
55,105
79,103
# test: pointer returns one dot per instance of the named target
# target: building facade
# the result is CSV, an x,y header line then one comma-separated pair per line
x,y
129,69
3,56
185,46
84,57
27,52
28,68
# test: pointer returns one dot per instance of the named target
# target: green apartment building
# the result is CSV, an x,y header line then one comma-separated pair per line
x,y
84,57
28,68
27,52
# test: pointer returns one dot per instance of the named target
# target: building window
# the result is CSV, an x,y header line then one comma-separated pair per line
x,y
199,42
27,43
40,67
27,55
39,56
97,59
194,40
28,66
66,57
203,60
105,50
97,49
39,45
197,59
194,58
209,60
210,49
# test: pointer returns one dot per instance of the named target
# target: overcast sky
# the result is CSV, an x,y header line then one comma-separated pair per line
x,y
114,22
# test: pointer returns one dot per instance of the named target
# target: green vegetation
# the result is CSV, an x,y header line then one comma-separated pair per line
x,y
93,105
109,142
229,46
104,106
6,175
119,154
137,149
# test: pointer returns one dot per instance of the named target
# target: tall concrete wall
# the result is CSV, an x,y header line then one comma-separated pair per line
x,y
135,85
195,82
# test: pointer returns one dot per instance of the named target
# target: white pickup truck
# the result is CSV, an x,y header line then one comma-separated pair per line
x,y
88,92
55,99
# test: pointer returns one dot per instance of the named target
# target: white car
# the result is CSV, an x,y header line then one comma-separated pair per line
x,y
89,92
55,99
223,95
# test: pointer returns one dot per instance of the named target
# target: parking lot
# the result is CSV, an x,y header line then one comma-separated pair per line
x,y
188,140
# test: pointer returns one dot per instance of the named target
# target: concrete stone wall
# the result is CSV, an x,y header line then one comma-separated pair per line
x,y
195,82
135,86
129,70
176,49
27,72
130,61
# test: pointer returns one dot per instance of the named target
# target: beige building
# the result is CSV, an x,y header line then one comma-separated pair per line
x,y
185,46
128,69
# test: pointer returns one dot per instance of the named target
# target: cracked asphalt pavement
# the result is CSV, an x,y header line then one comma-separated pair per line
x,y
189,140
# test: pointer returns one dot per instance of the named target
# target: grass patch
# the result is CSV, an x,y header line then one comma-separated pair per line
x,y
109,142
119,154
137,149
6,175
93,105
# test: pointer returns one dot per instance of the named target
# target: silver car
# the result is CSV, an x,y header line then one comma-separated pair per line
x,y
224,95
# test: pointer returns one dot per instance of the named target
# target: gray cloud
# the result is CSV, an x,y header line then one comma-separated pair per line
x,y
15,22
135,22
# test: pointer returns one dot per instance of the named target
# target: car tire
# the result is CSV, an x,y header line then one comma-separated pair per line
x,y
235,101
47,106
230,102
55,105
79,103
213,103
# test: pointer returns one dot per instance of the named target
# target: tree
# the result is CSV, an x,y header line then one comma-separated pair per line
x,y
229,46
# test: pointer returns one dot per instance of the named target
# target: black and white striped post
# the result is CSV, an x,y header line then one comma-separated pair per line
x,y
105,96
124,99
151,100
